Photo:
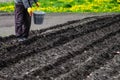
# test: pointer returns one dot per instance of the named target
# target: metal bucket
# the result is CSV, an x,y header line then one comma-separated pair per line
x,y
38,17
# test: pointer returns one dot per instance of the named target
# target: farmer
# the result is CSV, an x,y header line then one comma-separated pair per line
x,y
23,13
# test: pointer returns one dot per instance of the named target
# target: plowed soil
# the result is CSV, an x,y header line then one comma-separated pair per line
x,y
86,49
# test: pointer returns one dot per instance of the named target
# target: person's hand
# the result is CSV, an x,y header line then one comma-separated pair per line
x,y
30,11
37,4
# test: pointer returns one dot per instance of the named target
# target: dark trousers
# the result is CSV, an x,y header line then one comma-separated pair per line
x,y
22,21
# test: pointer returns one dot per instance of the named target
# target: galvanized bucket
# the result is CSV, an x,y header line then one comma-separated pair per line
x,y
38,17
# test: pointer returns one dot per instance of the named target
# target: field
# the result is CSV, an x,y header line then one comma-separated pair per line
x,y
86,49
70,6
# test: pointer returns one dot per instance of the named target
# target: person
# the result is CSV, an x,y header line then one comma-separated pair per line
x,y
23,13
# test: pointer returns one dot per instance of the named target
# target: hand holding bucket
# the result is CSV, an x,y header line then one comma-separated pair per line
x,y
30,11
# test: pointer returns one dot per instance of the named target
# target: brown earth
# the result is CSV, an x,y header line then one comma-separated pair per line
x,y
86,49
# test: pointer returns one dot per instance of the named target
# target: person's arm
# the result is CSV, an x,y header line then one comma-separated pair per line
x,y
28,5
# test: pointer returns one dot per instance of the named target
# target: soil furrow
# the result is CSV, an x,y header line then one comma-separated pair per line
x,y
34,39
88,66
38,36
73,53
60,26
61,30
61,40
10,40
69,23
77,50
109,71
73,63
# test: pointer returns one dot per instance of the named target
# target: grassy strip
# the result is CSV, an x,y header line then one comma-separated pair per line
x,y
70,6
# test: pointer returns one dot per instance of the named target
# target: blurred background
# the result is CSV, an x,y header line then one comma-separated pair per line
x,y
68,6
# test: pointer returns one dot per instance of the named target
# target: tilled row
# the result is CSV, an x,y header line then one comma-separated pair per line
x,y
110,71
52,55
10,40
90,61
58,28
67,62
44,40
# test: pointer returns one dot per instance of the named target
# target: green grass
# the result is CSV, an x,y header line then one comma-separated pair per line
x,y
71,6
3,4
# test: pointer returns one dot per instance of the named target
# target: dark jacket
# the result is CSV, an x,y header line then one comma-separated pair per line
x,y
26,3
